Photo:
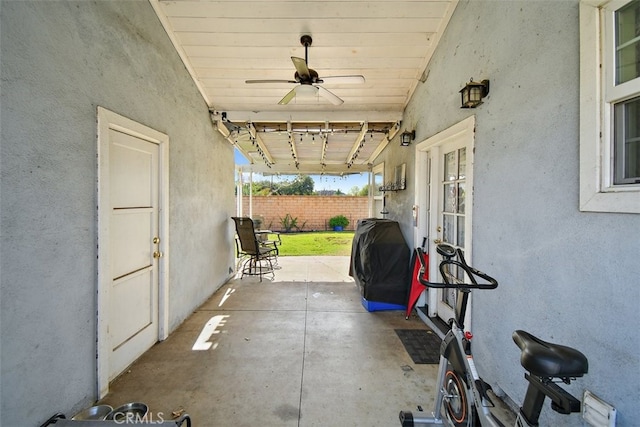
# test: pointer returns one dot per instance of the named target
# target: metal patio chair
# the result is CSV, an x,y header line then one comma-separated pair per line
x,y
259,257
266,237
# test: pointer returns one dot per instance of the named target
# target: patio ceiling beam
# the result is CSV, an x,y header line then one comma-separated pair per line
x,y
356,144
312,116
306,169
259,142
292,144
386,140
325,138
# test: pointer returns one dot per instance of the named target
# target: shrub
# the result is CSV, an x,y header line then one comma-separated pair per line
x,y
288,223
338,221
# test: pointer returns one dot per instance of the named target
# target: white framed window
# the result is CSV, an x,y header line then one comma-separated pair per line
x,y
610,106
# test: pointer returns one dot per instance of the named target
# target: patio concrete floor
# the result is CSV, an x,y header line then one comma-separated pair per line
x,y
299,350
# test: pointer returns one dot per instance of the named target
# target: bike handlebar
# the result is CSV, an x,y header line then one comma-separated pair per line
x,y
448,252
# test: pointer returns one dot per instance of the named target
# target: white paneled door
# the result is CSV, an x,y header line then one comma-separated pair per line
x,y
132,243
134,237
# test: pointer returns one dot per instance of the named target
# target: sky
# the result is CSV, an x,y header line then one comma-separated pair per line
x,y
326,182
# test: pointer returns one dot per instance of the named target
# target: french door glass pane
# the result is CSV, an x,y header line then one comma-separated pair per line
x,y
628,42
454,275
460,233
450,172
450,198
626,169
448,229
461,198
449,297
462,163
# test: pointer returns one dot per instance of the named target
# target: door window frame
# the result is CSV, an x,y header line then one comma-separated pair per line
x,y
374,191
597,99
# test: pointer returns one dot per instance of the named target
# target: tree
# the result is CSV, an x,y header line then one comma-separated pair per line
x,y
357,191
364,191
258,188
301,185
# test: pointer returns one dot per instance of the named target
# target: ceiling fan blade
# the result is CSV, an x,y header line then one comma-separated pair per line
x,y
342,79
288,97
270,81
301,67
329,96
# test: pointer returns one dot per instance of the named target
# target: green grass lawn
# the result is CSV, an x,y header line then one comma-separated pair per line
x,y
325,243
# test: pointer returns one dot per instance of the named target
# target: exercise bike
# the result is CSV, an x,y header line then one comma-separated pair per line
x,y
462,399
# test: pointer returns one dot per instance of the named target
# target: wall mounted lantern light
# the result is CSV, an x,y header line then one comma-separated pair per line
x,y
406,137
473,92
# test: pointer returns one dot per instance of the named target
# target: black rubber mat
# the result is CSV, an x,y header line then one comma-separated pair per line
x,y
423,345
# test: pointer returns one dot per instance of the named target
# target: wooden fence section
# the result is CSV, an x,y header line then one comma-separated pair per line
x,y
312,213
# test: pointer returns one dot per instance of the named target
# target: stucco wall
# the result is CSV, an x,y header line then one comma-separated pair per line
x,y
59,61
565,275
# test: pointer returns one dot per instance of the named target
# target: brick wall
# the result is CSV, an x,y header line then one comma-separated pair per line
x,y
312,211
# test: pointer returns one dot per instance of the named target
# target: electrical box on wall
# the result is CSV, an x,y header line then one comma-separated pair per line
x,y
597,412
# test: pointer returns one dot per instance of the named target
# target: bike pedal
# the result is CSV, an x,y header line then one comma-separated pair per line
x,y
484,387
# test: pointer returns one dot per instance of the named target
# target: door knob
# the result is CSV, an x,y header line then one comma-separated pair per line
x,y
156,240
437,241
158,254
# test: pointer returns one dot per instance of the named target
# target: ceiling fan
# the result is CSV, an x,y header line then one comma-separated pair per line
x,y
309,81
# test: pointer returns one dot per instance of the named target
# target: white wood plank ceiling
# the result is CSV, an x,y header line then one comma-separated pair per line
x,y
225,43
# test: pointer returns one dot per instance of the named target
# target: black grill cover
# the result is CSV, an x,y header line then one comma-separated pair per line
x,y
380,260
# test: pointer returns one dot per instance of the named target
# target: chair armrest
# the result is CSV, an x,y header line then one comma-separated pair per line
x,y
279,241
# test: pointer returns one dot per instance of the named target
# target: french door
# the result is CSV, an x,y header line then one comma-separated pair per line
x,y
444,174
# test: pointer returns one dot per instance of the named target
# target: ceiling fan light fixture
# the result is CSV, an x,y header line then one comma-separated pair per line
x,y
306,91
308,78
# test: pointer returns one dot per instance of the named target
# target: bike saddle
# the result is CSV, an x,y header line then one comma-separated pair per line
x,y
545,359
